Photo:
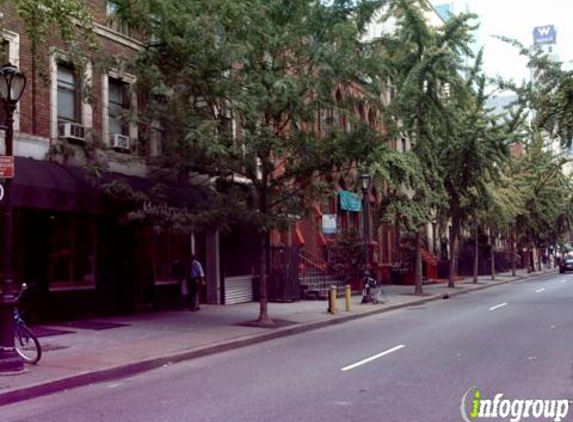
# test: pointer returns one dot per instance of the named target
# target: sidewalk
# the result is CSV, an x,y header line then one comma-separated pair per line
x,y
135,343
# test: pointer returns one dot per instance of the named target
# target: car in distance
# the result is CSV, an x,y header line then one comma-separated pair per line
x,y
566,264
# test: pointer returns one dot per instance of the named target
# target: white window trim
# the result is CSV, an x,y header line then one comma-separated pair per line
x,y
86,108
13,39
118,37
130,80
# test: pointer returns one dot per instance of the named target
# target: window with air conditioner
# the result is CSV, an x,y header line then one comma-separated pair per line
x,y
118,109
69,104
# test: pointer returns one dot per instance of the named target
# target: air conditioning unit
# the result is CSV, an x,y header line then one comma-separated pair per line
x,y
119,141
72,132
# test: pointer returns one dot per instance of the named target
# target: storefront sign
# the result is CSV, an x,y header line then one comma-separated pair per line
x,y
162,210
349,201
329,224
6,167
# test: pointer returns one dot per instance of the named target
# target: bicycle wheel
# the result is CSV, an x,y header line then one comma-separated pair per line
x,y
27,345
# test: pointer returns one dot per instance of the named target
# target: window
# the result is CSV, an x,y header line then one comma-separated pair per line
x,y
118,107
68,94
71,251
326,121
154,38
114,20
171,251
156,137
372,119
361,114
5,52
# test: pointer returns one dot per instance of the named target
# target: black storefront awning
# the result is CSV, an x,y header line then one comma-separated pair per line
x,y
53,186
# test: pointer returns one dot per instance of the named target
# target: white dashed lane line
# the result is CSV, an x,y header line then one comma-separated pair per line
x,y
371,358
540,290
501,305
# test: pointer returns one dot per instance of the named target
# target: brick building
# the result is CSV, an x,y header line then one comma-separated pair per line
x,y
74,246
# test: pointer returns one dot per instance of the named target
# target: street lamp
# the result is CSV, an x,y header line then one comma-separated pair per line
x,y
12,84
365,179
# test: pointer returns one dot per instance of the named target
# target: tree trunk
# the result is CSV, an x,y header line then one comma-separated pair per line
x,y
263,308
418,266
513,250
476,255
492,256
397,254
263,244
530,263
453,253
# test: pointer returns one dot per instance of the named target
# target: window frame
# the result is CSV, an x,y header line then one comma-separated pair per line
x,y
70,253
12,39
114,22
129,80
177,247
76,90
116,109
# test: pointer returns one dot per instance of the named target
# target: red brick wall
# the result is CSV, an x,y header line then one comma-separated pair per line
x,y
40,123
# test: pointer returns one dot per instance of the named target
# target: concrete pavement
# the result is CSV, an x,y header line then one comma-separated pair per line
x,y
145,341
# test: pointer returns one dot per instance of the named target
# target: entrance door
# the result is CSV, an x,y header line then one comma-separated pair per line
x,y
239,258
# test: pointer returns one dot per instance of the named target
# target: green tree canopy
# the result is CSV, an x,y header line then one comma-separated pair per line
x,y
267,93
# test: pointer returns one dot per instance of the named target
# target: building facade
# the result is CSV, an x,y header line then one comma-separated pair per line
x,y
76,245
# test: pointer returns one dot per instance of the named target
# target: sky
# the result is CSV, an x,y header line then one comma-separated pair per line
x,y
516,19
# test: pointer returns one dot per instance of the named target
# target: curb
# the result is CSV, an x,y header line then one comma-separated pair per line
x,y
122,371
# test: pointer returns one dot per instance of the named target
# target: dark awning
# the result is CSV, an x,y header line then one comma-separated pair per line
x,y
53,186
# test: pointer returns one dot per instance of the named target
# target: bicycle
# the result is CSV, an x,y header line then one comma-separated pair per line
x,y
372,292
25,341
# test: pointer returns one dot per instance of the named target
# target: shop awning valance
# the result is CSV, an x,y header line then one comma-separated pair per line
x,y
53,186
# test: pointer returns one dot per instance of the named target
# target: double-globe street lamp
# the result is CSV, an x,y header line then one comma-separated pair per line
x,y
12,84
365,179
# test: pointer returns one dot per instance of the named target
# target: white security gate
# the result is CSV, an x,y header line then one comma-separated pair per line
x,y
238,289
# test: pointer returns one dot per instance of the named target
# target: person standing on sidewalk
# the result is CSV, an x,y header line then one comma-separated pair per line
x,y
197,279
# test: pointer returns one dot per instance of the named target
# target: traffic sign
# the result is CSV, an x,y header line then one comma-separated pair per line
x,y
6,167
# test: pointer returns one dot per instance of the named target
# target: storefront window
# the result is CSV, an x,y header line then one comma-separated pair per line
x,y
171,252
71,251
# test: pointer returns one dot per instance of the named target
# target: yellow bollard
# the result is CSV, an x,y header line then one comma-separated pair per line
x,y
348,298
332,305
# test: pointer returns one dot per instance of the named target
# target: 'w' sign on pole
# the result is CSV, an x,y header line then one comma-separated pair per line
x,y
544,35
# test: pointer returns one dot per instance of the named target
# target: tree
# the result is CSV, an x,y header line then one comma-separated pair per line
x,y
546,189
422,64
471,154
246,90
539,172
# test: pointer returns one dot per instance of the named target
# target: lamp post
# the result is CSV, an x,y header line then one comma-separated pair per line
x,y
12,84
365,179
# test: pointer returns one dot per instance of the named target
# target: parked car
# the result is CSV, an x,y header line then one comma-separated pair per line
x,y
566,264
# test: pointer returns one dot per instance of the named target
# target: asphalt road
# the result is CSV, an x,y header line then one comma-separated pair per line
x,y
409,365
